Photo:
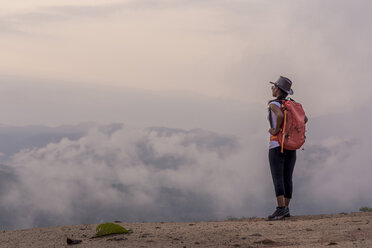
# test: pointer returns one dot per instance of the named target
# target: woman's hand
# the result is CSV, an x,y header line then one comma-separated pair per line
x,y
273,131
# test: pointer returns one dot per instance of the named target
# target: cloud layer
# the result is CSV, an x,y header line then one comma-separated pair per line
x,y
129,174
162,174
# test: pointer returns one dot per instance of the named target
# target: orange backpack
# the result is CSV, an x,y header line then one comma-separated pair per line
x,y
292,132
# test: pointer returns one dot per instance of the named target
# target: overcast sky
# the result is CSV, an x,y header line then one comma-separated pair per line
x,y
199,69
223,49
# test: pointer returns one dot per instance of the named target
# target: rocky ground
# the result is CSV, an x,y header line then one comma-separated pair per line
x,y
339,230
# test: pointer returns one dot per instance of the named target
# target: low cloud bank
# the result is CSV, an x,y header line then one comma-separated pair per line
x,y
154,174
116,172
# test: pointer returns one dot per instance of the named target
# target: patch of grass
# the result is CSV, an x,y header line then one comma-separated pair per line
x,y
365,209
110,228
231,218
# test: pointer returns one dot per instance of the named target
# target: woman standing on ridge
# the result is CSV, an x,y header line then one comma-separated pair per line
x,y
282,161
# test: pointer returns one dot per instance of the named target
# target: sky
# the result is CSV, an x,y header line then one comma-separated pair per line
x,y
221,49
148,103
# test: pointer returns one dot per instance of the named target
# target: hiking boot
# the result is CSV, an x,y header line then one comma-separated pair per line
x,y
288,214
279,213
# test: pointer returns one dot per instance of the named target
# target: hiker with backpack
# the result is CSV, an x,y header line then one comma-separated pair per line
x,y
287,133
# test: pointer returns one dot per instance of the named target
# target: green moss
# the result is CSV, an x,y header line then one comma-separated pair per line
x,y
110,228
365,209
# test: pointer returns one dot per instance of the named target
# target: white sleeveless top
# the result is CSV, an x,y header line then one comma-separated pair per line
x,y
273,143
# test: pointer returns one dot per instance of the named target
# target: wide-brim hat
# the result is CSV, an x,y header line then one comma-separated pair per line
x,y
284,84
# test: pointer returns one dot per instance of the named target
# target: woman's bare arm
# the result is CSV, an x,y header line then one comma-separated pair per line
x,y
279,119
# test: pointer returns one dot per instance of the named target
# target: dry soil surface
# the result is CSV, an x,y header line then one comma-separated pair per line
x,y
339,230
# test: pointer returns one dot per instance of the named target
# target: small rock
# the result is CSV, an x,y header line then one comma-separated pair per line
x,y
256,234
244,238
197,243
268,242
157,227
117,221
309,229
73,241
332,243
191,224
236,245
265,242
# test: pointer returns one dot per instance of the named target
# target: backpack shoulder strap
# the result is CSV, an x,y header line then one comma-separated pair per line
x,y
277,100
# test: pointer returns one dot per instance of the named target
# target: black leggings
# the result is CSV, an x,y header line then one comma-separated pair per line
x,y
281,166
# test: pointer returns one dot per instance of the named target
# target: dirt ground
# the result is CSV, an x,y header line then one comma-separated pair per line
x,y
339,230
